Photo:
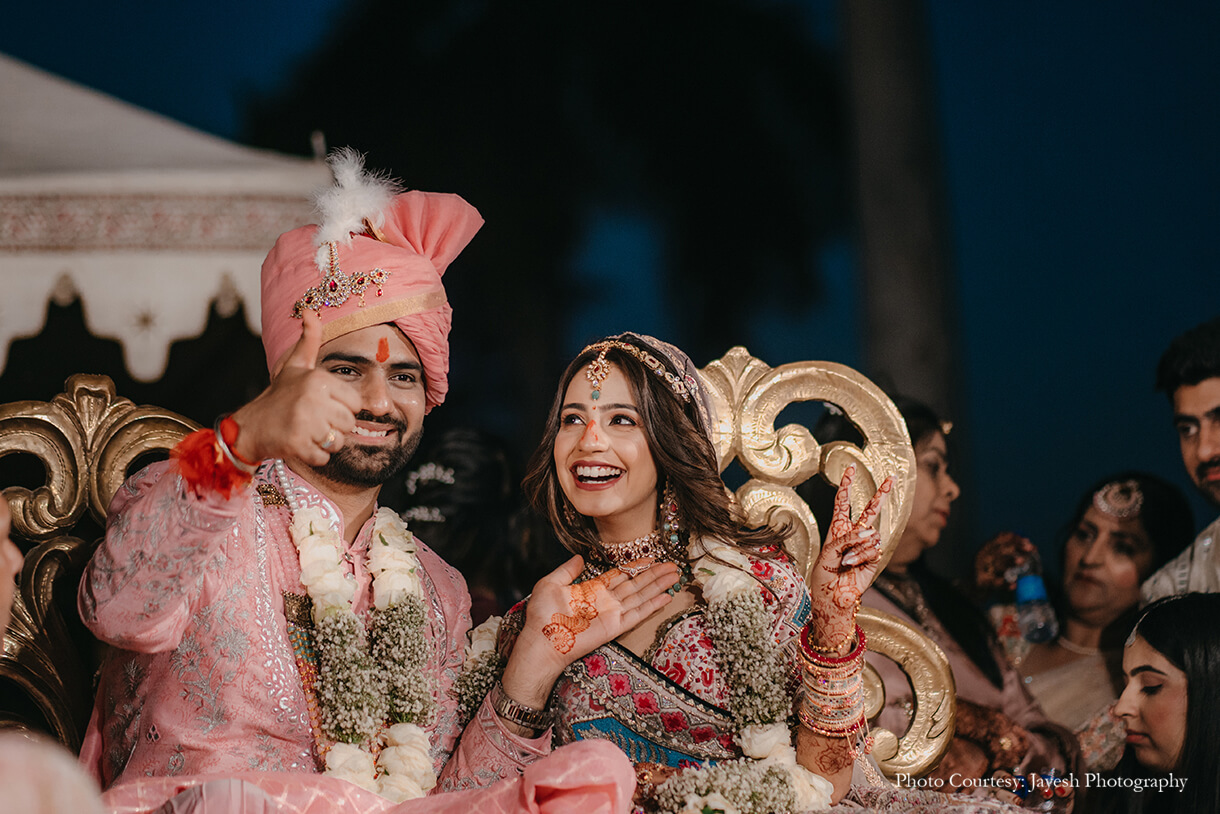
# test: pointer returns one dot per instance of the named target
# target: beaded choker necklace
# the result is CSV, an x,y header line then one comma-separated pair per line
x,y
658,545
649,545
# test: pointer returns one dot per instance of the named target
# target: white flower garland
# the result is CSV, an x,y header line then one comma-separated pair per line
x,y
482,665
359,689
754,671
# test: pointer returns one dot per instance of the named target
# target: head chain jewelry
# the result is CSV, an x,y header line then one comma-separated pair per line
x,y
336,287
1135,629
1120,499
599,368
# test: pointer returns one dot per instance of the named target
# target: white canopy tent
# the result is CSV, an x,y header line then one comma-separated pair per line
x,y
146,220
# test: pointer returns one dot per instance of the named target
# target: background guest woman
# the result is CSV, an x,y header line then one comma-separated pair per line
x,y
1171,706
999,726
1124,528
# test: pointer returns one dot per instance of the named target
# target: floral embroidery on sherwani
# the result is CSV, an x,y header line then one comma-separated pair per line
x,y
204,671
201,678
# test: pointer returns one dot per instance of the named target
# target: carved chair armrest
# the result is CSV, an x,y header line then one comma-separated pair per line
x,y
931,730
87,439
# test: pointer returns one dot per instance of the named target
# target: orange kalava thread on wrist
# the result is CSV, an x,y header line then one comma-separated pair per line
x,y
229,430
204,467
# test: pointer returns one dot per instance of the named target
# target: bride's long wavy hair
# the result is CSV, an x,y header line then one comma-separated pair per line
x,y
681,451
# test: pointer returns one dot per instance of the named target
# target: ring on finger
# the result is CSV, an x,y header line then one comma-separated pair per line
x,y
328,441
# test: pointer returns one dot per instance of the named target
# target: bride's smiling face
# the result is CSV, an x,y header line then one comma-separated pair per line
x,y
602,458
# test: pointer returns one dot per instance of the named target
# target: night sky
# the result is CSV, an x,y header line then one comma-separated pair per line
x,y
1083,189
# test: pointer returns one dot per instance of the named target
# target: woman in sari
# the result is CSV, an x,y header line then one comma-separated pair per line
x,y
1125,527
1000,730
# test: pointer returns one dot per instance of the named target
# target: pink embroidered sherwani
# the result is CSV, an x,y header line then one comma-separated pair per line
x,y
202,681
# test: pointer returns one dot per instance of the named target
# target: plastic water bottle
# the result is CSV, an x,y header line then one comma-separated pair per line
x,y
1035,616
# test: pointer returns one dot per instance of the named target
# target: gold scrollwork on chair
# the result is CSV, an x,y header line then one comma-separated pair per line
x,y
748,396
931,729
86,439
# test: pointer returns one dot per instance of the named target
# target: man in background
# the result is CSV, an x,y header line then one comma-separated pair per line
x,y
1189,373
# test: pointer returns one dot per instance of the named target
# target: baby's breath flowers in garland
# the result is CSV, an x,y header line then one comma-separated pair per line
x,y
398,623
481,668
729,787
769,778
361,687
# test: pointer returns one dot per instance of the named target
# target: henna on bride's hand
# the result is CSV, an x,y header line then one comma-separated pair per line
x,y
831,756
842,599
561,636
563,629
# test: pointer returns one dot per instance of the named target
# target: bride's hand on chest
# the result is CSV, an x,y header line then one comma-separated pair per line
x,y
566,620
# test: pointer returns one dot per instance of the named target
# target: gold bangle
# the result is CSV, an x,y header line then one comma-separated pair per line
x,y
814,659
840,730
834,649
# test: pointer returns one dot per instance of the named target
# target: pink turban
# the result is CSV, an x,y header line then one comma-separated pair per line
x,y
395,279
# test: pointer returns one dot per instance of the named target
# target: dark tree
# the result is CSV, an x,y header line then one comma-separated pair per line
x,y
720,120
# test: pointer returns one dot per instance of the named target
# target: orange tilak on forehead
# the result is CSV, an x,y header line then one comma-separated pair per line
x,y
383,349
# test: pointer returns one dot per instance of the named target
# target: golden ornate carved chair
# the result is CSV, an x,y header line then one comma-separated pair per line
x,y
749,396
87,441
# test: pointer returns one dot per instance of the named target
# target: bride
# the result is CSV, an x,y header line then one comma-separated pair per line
x,y
743,691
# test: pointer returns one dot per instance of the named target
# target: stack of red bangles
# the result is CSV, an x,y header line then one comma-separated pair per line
x,y
834,689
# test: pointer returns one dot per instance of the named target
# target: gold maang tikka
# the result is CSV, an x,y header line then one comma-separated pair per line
x,y
599,368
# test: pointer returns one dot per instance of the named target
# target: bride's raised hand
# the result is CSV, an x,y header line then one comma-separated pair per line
x,y
845,566
566,620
